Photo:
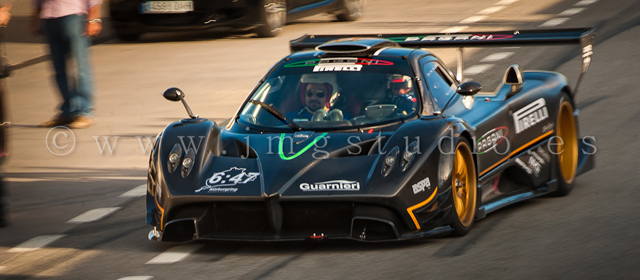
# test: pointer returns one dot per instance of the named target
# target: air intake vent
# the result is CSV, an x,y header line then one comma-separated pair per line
x,y
342,48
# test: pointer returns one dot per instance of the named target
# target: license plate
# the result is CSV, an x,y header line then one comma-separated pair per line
x,y
166,7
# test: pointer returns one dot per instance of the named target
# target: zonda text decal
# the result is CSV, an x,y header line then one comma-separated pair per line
x,y
491,139
530,115
421,186
230,177
336,185
537,159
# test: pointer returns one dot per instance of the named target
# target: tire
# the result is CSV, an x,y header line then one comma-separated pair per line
x,y
464,188
273,16
351,10
567,152
127,36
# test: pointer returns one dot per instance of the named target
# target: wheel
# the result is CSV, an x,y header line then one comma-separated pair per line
x,y
567,146
127,36
351,10
273,16
464,187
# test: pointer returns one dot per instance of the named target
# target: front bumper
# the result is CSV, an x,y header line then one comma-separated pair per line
x,y
279,219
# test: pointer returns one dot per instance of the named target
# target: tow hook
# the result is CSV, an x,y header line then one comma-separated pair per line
x,y
317,237
154,234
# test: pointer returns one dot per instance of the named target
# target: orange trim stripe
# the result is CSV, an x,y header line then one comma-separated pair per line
x,y
410,209
161,214
517,151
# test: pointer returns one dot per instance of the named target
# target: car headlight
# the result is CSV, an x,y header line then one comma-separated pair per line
x,y
390,161
187,162
174,158
408,155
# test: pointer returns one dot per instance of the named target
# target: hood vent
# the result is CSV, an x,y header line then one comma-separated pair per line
x,y
238,149
364,148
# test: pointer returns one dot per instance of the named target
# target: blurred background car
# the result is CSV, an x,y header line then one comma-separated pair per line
x,y
132,18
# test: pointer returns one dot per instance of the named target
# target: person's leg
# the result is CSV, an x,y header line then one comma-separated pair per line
x,y
3,219
58,47
82,95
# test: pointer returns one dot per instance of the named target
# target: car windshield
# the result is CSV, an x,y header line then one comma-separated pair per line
x,y
333,93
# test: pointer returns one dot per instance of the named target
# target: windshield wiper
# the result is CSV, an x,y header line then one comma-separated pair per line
x,y
276,114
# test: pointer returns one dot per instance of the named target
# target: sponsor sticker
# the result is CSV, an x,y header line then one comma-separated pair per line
x,y
533,165
337,64
524,166
421,186
547,127
453,37
530,115
325,61
491,139
335,185
224,181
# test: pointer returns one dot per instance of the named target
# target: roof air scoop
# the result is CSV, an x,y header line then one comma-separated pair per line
x,y
514,78
355,45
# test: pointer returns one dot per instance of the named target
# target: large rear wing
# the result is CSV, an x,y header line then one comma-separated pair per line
x,y
582,36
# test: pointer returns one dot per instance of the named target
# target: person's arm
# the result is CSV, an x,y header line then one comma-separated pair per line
x,y
34,24
94,22
5,15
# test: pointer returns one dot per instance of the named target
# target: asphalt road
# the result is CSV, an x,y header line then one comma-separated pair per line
x,y
593,233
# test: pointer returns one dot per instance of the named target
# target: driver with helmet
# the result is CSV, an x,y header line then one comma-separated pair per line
x,y
401,93
319,93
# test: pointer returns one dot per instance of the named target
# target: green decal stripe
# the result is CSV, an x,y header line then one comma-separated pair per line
x,y
314,62
281,142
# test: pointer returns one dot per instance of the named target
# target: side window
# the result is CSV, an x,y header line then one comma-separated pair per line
x,y
441,85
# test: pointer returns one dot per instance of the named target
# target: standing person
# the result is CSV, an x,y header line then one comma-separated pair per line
x,y
5,16
67,25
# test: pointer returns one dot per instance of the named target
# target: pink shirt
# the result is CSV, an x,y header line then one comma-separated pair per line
x,y
60,8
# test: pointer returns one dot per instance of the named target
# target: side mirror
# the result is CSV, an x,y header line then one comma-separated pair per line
x,y
175,94
468,88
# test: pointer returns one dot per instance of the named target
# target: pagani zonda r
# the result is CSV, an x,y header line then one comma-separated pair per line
x,y
132,18
370,138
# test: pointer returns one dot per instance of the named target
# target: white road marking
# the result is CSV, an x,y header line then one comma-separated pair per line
x,y
477,69
506,2
175,254
473,19
35,243
135,192
571,12
554,22
491,10
497,56
585,2
136,278
454,29
93,215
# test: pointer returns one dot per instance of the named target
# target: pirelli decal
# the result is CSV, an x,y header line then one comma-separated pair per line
x,y
337,64
530,115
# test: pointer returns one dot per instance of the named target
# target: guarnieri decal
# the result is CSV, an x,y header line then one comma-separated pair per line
x,y
335,185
